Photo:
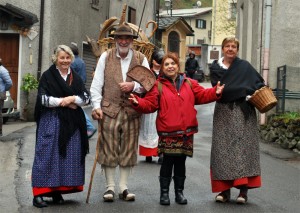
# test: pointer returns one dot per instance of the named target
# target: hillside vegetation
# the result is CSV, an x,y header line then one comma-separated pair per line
x,y
186,4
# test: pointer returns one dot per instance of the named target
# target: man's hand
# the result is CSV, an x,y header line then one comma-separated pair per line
x,y
126,86
97,114
220,88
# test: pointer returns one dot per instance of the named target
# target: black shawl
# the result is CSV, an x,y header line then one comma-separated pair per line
x,y
240,80
52,84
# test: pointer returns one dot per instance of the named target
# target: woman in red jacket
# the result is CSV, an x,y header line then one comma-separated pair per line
x,y
174,96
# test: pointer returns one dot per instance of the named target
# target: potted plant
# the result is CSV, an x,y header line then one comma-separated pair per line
x,y
29,83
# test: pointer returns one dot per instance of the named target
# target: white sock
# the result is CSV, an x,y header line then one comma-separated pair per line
x,y
110,178
124,174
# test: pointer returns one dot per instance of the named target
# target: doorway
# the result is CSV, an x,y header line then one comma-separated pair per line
x,y
9,52
173,42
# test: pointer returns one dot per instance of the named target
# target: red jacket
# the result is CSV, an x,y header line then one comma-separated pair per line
x,y
176,113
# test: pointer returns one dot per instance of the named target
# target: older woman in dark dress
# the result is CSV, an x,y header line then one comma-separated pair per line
x,y
61,135
235,139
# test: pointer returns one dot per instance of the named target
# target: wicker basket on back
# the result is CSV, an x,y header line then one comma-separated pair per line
x,y
140,74
141,44
263,99
104,42
144,47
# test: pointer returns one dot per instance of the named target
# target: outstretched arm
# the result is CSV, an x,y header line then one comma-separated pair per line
x,y
148,104
207,95
220,88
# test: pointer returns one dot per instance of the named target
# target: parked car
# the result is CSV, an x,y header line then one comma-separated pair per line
x,y
8,110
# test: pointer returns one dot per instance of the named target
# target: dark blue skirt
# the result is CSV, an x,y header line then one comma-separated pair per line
x,y
50,169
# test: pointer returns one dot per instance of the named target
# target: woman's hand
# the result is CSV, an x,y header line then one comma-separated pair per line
x,y
72,106
66,101
220,88
133,100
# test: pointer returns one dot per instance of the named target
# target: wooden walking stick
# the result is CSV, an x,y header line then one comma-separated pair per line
x,y
94,166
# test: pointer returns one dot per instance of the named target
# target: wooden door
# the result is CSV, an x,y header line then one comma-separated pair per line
x,y
9,52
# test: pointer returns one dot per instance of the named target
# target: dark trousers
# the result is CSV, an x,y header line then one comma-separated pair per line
x,y
190,74
178,162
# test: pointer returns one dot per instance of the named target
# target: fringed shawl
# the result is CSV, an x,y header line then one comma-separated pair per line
x,y
240,80
52,84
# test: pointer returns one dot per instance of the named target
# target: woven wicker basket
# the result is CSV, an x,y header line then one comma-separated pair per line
x,y
263,99
143,44
144,47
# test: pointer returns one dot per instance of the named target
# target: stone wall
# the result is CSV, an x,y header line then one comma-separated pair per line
x,y
285,132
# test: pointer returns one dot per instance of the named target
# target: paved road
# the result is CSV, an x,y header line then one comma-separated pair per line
x,y
279,193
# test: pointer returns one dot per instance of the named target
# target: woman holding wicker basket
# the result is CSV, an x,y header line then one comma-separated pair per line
x,y
235,140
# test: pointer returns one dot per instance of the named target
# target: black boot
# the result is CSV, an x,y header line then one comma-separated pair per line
x,y
179,187
160,159
39,202
149,159
164,190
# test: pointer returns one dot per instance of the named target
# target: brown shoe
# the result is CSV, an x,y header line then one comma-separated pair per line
x,y
127,196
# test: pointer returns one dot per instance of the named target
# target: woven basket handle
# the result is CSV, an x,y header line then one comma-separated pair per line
x,y
154,28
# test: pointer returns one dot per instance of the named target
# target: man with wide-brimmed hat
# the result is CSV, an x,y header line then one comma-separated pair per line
x,y
118,122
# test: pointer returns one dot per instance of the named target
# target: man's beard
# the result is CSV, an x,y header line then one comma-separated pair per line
x,y
123,50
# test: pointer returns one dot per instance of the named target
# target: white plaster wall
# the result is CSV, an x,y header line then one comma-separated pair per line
x,y
199,33
285,34
24,44
64,22
284,40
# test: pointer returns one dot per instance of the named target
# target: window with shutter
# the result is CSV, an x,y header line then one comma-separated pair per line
x,y
200,24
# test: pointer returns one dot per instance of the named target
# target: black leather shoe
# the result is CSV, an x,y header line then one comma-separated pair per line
x,y
58,199
39,202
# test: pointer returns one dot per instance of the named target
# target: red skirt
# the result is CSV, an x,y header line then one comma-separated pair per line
x,y
144,151
222,185
48,191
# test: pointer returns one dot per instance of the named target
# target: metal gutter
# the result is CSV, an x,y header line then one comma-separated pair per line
x,y
40,52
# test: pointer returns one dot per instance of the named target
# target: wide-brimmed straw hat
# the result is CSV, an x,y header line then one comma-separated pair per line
x,y
124,30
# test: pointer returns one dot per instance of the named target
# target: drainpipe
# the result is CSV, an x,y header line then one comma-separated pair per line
x,y
107,13
214,23
266,51
40,54
156,18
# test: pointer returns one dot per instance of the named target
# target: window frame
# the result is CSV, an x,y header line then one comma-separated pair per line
x,y
200,24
